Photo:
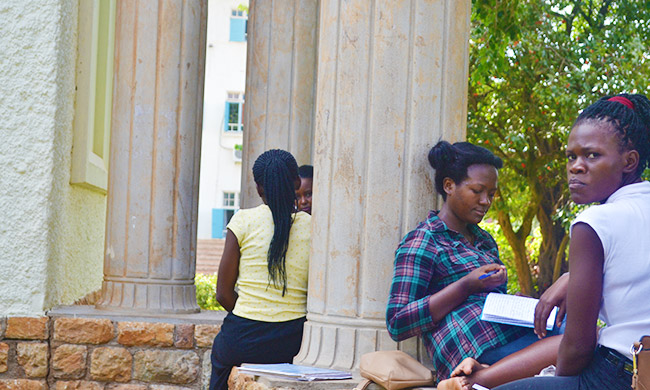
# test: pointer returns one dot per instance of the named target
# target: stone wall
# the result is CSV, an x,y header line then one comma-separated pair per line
x,y
66,353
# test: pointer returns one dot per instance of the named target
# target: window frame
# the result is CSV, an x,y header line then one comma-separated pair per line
x,y
94,94
228,198
234,98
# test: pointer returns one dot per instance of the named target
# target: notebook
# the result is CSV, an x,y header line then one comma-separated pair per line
x,y
513,310
293,371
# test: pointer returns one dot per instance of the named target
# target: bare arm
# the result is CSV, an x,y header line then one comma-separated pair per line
x,y
521,364
583,301
555,296
228,273
447,299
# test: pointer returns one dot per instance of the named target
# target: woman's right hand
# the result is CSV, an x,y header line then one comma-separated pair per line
x,y
487,277
445,300
554,296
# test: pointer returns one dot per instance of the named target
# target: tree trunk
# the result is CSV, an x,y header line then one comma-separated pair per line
x,y
553,234
517,241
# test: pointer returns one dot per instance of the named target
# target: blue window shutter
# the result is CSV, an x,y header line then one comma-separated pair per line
x,y
217,223
237,30
241,114
226,117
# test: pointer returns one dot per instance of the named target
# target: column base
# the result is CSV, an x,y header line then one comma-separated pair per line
x,y
133,296
339,342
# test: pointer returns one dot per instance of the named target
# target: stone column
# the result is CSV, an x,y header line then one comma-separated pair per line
x,y
280,76
154,160
391,82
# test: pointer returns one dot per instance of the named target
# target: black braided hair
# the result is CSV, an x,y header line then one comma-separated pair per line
x,y
452,161
276,171
632,125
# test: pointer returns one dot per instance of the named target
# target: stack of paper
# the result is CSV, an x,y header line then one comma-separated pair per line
x,y
513,310
292,371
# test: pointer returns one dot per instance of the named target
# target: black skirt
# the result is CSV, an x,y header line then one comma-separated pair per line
x,y
241,340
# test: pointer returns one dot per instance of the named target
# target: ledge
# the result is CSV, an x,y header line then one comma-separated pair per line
x,y
346,384
207,317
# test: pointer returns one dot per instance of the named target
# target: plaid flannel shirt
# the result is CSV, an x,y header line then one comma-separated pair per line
x,y
427,260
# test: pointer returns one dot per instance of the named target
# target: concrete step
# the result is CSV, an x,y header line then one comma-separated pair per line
x,y
208,255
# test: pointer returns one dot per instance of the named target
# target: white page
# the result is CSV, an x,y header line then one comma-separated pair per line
x,y
513,309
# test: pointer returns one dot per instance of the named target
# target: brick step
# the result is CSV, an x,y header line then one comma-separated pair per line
x,y
208,255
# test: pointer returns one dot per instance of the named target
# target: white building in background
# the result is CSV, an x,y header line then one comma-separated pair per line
x,y
225,79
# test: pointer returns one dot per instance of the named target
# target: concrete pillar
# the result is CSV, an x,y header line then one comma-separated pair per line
x,y
154,159
280,76
391,81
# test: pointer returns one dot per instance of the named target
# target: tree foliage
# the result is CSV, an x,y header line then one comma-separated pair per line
x,y
533,65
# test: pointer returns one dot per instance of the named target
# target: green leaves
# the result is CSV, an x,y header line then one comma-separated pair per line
x,y
206,292
534,64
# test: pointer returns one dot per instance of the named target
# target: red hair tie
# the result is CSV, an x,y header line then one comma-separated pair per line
x,y
623,100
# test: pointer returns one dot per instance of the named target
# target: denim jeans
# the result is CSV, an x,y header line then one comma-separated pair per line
x,y
600,374
494,355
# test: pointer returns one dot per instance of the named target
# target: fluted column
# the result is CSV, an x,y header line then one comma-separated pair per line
x,y
154,160
280,75
391,81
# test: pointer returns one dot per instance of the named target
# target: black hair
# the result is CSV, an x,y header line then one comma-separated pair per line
x,y
632,125
452,161
276,171
306,171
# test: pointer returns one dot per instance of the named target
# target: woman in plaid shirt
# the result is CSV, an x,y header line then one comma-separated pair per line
x,y
437,291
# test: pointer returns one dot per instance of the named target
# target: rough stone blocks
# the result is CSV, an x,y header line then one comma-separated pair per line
x,y
240,381
178,367
184,336
145,333
32,357
83,330
78,385
135,355
127,387
207,369
69,361
4,354
110,364
27,328
204,334
21,384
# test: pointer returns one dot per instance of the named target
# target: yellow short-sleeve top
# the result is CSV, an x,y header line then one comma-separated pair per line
x,y
258,299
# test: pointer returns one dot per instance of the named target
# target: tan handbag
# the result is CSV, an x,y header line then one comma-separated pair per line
x,y
641,364
393,370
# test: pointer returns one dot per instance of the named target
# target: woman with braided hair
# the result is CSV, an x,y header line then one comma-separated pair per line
x,y
607,151
262,279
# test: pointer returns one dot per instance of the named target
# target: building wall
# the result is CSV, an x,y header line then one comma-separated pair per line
x,y
51,233
225,72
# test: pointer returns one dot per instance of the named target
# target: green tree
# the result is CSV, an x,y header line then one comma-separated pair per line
x,y
533,65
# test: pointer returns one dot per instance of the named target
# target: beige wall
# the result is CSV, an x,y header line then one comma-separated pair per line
x,y
51,233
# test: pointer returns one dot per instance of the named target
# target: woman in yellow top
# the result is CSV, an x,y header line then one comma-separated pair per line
x,y
262,279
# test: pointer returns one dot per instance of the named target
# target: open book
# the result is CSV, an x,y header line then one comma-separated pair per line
x,y
513,310
293,371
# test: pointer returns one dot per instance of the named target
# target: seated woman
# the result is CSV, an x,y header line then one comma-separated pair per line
x,y
607,151
447,265
266,256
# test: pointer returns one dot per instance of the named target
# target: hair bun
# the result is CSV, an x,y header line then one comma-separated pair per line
x,y
443,153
